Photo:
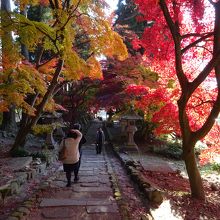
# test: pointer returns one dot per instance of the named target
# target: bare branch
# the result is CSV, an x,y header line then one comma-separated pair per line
x,y
196,42
203,102
177,38
42,64
195,35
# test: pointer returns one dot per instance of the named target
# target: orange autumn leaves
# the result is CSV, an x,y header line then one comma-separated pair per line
x,y
57,38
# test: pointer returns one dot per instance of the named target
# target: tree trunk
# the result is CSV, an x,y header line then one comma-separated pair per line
x,y
189,141
21,138
23,132
8,121
195,179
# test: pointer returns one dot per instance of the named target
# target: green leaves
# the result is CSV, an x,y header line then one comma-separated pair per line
x,y
32,33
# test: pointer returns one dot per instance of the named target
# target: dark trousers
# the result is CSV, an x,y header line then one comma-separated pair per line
x,y
80,156
69,168
98,148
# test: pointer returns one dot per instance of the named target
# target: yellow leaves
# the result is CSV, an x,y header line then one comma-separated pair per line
x,y
24,3
42,129
82,2
65,29
149,77
75,67
50,106
108,42
119,48
3,106
15,98
97,10
95,70
17,84
26,73
171,84
44,28
31,33
10,51
48,67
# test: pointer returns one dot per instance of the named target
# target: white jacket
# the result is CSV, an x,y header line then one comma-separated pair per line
x,y
72,148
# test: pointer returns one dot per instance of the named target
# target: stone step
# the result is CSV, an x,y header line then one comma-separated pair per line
x,y
74,202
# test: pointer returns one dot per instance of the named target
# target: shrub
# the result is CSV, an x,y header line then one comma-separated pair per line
x,y
42,155
172,150
20,152
215,167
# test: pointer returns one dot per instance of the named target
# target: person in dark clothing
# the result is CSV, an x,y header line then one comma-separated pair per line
x,y
77,126
100,139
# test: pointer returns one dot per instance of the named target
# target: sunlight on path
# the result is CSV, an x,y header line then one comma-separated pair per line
x,y
164,212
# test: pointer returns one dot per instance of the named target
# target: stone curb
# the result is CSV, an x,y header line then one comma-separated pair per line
x,y
150,191
135,170
21,212
123,208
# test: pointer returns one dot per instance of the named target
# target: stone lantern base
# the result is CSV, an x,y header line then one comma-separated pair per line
x,y
130,148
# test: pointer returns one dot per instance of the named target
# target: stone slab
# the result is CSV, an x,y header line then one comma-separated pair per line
x,y
101,209
103,173
103,176
92,195
92,163
86,168
16,163
89,184
77,213
100,169
91,189
98,202
104,181
153,163
88,179
86,173
62,202
59,212
74,202
102,216
58,183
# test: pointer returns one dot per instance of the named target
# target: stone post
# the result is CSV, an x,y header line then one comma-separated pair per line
x,y
131,129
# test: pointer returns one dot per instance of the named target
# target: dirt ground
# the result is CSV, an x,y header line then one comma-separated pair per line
x,y
177,193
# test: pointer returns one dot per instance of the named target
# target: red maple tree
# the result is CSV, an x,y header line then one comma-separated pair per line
x,y
183,45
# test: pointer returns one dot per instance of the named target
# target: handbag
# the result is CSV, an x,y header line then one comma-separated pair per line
x,y
63,152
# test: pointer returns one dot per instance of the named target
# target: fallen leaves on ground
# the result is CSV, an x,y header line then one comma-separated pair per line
x,y
177,191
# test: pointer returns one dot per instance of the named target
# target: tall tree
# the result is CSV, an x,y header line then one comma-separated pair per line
x,y
78,99
125,23
57,37
8,122
118,76
184,42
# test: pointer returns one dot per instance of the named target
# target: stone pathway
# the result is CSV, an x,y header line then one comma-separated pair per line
x,y
149,162
153,163
90,198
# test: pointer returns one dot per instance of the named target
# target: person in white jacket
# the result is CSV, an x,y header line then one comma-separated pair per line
x,y
71,162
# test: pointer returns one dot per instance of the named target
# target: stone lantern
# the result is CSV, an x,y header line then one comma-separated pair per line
x,y
49,118
123,123
130,127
